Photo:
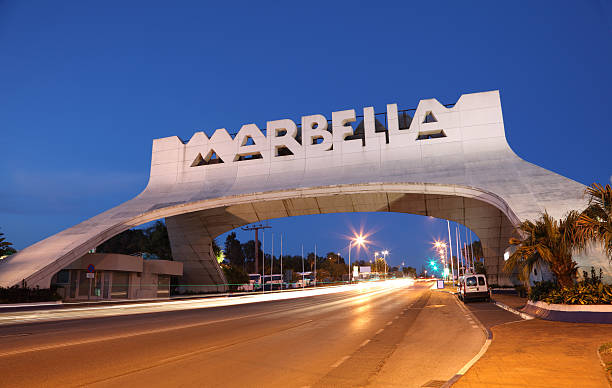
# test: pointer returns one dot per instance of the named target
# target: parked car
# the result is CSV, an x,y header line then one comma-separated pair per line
x,y
474,286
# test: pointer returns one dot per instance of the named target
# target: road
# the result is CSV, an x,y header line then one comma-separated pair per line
x,y
382,334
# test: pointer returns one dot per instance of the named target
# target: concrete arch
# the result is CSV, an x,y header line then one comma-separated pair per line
x,y
470,169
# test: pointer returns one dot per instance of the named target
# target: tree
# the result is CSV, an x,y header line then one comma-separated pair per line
x,y
157,241
217,251
233,251
153,240
248,250
128,242
5,247
410,271
475,248
480,268
235,276
546,241
595,222
334,257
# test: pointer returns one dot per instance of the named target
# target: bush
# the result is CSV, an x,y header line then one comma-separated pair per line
x,y
541,290
581,294
590,290
18,294
235,276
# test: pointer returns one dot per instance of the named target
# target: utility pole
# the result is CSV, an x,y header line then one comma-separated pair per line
x,y
256,229
315,265
281,264
450,252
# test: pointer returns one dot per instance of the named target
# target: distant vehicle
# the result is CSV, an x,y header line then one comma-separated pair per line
x,y
474,286
300,284
254,283
273,282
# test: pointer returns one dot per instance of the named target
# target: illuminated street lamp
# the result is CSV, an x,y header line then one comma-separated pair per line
x,y
359,240
441,246
385,253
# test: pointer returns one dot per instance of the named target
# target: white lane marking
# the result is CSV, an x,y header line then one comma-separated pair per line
x,y
340,361
379,331
364,343
397,316
388,323
474,326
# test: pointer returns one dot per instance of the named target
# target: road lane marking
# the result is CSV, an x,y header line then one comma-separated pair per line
x,y
340,361
397,316
364,343
388,323
379,331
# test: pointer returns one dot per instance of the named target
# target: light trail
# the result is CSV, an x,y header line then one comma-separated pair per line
x,y
365,289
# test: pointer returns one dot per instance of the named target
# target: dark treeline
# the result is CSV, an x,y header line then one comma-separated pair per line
x,y
153,240
242,256
330,266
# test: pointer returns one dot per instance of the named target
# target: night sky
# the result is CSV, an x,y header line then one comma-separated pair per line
x,y
85,87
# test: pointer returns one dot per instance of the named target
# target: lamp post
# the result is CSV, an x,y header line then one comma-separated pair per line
x,y
385,253
376,263
359,240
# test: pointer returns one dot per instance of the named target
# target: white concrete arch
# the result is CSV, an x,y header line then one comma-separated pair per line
x,y
447,155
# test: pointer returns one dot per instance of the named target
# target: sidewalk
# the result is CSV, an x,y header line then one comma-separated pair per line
x,y
540,353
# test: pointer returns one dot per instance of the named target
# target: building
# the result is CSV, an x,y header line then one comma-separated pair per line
x,y
104,276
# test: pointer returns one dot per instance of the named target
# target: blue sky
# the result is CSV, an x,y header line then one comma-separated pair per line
x,y
85,87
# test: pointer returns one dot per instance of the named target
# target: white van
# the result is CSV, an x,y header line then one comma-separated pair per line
x,y
474,286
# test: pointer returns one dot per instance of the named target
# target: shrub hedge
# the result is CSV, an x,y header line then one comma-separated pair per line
x,y
590,290
18,294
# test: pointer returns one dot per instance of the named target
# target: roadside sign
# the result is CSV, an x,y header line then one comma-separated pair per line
x,y
440,284
90,275
91,268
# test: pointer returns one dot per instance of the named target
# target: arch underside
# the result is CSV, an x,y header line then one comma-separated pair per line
x,y
191,234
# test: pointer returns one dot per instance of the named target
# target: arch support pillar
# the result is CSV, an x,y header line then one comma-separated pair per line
x,y
191,244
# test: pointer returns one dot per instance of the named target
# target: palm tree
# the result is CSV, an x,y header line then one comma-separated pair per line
x,y
546,241
5,246
595,222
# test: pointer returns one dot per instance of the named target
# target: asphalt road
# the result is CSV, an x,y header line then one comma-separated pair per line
x,y
385,334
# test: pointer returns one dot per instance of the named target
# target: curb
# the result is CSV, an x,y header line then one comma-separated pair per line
x,y
31,304
513,311
603,364
483,349
601,314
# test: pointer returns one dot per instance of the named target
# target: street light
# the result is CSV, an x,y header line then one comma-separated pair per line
x,y
385,253
442,251
359,240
